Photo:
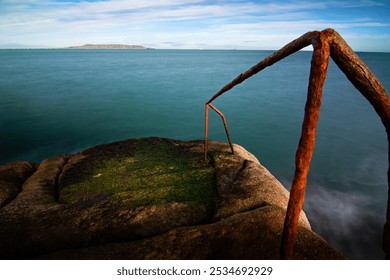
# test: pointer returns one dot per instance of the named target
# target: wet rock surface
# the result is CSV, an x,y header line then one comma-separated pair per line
x,y
246,221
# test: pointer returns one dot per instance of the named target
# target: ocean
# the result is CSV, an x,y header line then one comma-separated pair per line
x,y
63,101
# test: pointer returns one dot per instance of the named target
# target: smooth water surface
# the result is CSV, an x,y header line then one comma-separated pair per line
x,y
62,101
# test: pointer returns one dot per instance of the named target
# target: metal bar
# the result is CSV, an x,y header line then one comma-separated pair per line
x,y
224,124
319,66
206,130
292,47
372,89
326,43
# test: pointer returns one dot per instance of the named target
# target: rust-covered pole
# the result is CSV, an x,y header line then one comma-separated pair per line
x,y
319,66
206,130
292,47
326,43
359,75
386,229
372,89
224,125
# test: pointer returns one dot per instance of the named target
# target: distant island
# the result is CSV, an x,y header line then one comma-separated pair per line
x,y
109,47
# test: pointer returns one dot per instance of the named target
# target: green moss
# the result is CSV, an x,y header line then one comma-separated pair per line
x,y
157,173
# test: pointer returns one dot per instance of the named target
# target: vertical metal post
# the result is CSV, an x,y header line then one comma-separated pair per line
x,y
224,125
319,65
206,130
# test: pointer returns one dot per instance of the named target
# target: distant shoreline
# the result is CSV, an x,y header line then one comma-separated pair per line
x,y
146,48
108,47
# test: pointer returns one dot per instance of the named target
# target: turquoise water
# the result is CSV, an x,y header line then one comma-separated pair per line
x,y
62,101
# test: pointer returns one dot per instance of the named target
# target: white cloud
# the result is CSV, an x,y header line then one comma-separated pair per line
x,y
120,11
187,23
357,4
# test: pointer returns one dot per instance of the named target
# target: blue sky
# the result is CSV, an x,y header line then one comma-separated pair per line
x,y
191,24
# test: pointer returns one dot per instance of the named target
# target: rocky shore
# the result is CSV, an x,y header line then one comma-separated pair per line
x,y
46,214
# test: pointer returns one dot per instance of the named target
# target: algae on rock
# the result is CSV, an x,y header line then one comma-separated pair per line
x,y
157,173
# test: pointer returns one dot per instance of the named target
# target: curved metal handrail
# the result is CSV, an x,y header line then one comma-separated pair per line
x,y
326,43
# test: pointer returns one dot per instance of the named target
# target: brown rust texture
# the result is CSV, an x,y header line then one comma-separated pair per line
x,y
372,89
224,125
287,50
319,66
326,43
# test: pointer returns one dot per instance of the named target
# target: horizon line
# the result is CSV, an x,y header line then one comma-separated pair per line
x,y
173,49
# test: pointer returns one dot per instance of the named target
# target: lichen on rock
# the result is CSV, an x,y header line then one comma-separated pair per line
x,y
150,198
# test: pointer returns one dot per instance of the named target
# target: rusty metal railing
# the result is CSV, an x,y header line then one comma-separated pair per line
x,y
326,43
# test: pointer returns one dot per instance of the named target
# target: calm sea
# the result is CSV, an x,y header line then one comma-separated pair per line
x,y
62,101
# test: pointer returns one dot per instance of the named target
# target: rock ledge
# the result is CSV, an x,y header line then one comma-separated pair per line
x,y
246,222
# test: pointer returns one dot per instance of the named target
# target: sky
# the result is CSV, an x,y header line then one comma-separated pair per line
x,y
191,24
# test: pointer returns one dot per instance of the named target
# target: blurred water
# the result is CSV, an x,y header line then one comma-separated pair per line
x,y
62,101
